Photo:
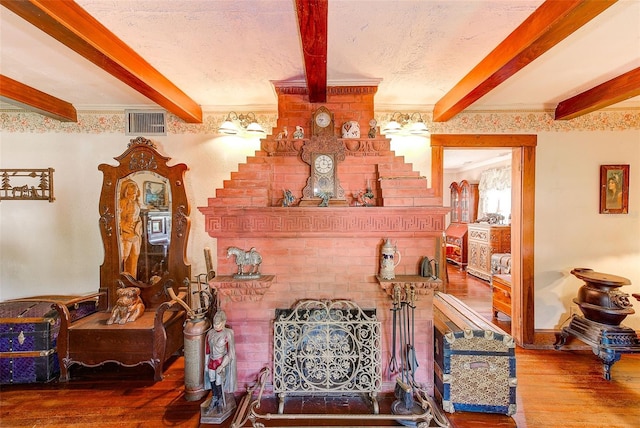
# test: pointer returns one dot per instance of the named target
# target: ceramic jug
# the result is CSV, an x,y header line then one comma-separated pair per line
x,y
389,259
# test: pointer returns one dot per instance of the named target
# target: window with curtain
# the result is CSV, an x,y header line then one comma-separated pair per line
x,y
494,191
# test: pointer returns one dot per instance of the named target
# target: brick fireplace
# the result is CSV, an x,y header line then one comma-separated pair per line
x,y
312,252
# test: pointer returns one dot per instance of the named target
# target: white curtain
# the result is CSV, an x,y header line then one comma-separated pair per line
x,y
494,192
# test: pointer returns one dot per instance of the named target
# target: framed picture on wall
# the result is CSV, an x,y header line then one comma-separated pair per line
x,y
614,189
155,194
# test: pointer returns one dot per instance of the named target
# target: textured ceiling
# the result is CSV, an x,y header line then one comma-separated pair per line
x,y
226,53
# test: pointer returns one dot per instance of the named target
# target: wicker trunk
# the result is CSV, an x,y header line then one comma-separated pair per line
x,y
474,367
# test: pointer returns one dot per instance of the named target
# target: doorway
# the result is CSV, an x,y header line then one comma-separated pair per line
x,y
522,217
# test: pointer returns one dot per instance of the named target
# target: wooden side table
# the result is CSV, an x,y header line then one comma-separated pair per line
x,y
501,294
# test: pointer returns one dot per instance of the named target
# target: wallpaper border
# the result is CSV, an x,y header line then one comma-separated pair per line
x,y
19,121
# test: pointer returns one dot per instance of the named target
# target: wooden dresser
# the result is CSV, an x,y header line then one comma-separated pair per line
x,y
483,241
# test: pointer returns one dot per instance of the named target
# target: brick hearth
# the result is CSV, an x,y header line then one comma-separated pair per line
x,y
322,253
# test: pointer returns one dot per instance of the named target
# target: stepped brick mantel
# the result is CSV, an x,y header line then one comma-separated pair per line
x,y
333,252
295,222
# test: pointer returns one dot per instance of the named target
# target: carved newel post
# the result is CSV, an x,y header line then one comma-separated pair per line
x,y
221,374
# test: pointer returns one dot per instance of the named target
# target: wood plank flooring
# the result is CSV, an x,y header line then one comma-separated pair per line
x,y
555,389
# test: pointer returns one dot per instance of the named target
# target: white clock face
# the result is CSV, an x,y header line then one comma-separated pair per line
x,y
323,119
323,164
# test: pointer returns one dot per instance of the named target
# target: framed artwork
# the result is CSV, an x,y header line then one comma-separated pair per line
x,y
155,194
614,189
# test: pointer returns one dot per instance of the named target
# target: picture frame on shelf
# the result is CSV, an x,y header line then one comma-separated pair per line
x,y
614,189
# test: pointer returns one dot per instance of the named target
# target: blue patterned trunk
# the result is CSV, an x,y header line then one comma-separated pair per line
x,y
474,361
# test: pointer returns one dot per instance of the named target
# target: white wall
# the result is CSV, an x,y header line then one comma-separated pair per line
x,y
55,248
570,232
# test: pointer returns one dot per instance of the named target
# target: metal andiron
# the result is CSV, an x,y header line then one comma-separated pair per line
x,y
604,308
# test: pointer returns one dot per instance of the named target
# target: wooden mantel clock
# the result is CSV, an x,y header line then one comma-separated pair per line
x,y
322,122
323,153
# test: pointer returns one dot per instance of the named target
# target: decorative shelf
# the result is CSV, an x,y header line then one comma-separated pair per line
x,y
241,290
422,285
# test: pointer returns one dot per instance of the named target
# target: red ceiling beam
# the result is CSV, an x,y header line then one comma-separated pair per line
x,y
618,89
551,23
67,22
30,98
312,21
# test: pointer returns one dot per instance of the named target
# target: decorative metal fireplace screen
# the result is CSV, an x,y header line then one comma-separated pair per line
x,y
327,347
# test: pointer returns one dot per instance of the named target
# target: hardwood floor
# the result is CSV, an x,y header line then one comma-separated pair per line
x,y
555,389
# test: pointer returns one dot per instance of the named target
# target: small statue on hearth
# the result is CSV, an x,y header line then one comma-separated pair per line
x,y
246,258
220,363
299,132
288,200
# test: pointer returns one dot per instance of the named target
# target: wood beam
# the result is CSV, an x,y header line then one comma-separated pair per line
x,y
613,91
32,99
312,21
551,23
67,22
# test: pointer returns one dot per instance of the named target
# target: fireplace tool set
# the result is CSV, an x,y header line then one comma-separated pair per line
x,y
407,390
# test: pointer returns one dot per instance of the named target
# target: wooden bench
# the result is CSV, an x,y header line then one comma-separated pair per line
x,y
474,360
151,339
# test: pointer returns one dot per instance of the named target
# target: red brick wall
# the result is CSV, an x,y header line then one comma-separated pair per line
x,y
323,253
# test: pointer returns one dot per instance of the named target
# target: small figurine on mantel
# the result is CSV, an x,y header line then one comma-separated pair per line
x,y
373,128
288,200
299,132
325,196
220,363
250,258
283,135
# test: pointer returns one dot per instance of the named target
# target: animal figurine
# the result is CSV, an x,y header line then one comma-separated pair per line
x,y
129,306
246,258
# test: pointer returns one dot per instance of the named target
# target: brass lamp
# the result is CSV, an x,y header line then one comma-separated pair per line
x,y
244,125
406,124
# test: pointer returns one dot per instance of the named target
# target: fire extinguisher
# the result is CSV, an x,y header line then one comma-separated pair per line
x,y
195,330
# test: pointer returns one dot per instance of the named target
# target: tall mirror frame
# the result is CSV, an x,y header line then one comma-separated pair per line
x,y
141,156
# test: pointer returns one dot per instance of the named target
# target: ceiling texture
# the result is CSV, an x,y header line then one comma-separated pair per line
x,y
189,56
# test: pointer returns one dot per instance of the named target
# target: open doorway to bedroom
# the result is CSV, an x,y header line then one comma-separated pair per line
x,y
477,187
522,148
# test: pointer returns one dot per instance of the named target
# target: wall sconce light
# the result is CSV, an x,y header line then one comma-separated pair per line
x,y
244,125
406,124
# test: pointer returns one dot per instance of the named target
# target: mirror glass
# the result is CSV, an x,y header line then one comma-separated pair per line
x,y
144,225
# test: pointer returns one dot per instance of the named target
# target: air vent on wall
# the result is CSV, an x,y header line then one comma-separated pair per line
x,y
147,122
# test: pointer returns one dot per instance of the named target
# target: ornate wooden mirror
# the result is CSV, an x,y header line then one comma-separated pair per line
x,y
144,222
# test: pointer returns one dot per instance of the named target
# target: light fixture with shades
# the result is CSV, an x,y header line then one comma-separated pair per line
x,y
243,125
406,124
